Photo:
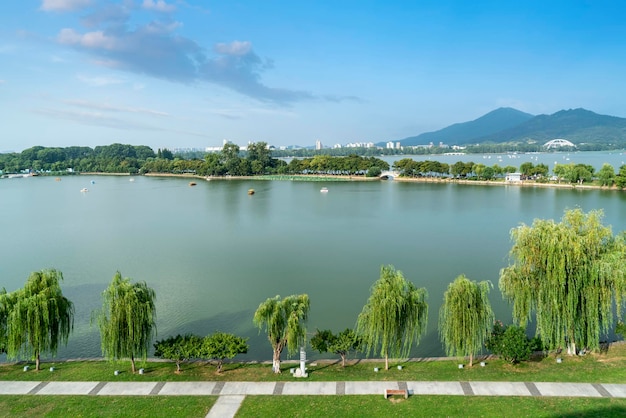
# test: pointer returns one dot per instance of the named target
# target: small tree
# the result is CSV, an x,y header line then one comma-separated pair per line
x,y
284,323
394,317
178,349
620,329
37,318
341,344
465,317
127,320
221,346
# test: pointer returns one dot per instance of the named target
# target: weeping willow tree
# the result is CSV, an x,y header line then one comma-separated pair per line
x,y
37,318
283,320
127,320
4,313
569,274
394,317
466,317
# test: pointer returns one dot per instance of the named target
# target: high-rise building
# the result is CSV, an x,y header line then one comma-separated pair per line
x,y
318,144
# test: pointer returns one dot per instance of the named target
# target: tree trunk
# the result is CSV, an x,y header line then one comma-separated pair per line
x,y
276,361
132,364
343,360
37,361
471,360
571,348
178,367
386,361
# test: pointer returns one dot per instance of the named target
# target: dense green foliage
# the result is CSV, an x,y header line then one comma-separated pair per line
x,y
465,317
511,343
221,346
570,275
127,320
341,344
283,320
394,317
36,318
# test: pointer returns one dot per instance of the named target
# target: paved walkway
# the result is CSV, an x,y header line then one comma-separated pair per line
x,y
231,394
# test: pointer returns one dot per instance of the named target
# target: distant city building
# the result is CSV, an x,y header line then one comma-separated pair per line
x,y
398,145
389,145
361,145
337,146
318,145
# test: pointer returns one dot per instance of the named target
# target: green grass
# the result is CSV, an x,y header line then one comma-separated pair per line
x,y
609,367
428,406
105,406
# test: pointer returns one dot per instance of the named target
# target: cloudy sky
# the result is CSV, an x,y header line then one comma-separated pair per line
x,y
191,73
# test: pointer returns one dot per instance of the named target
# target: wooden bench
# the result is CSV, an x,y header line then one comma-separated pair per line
x,y
403,392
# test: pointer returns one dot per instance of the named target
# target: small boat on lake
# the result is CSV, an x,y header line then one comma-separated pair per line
x,y
192,183
324,190
84,189
250,191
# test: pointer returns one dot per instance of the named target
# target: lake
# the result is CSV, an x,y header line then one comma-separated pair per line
x,y
213,253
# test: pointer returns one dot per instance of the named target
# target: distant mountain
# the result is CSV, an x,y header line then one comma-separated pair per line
x,y
463,133
575,125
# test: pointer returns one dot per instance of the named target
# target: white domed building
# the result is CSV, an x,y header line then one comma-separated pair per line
x,y
558,143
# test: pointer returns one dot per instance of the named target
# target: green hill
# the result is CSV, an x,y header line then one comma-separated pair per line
x,y
466,132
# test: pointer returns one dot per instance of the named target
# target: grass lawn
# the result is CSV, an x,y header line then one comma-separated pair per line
x,y
428,406
609,367
105,406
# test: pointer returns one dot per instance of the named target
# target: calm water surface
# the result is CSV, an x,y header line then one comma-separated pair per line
x,y
213,253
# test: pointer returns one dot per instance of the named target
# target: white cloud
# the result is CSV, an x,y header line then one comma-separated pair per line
x,y
158,6
99,81
237,48
111,108
91,40
63,5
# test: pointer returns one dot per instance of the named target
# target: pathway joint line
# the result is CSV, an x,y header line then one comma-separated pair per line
x,y
37,388
532,389
97,388
341,388
278,388
403,386
157,388
217,389
467,388
601,390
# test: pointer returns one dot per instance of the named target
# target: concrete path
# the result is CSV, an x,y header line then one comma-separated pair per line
x,y
232,394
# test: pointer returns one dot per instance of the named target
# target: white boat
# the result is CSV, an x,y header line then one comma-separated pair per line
x,y
324,190
84,189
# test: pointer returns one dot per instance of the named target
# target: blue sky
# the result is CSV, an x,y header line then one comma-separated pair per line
x,y
170,73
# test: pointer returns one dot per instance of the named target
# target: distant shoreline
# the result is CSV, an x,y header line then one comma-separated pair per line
x,y
319,177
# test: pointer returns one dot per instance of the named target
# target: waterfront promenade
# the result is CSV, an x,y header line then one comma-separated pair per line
x,y
231,394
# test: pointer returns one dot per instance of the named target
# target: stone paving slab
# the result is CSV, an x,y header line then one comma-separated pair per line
x,y
187,388
310,388
67,388
500,389
127,388
226,406
369,388
585,390
248,388
616,390
8,387
434,388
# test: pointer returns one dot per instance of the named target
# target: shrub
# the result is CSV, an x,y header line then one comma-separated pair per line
x,y
512,343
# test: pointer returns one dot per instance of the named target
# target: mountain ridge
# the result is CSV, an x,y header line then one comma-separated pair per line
x,y
507,124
